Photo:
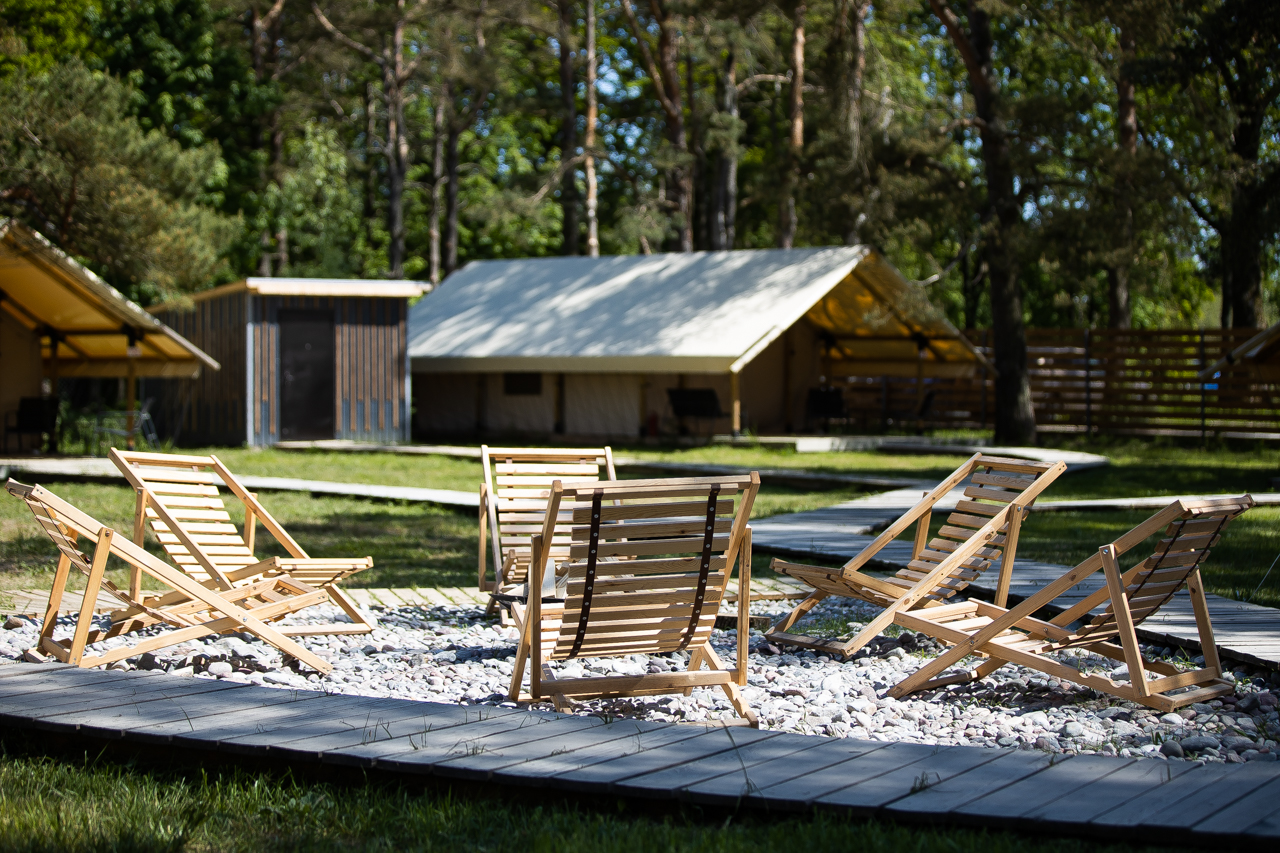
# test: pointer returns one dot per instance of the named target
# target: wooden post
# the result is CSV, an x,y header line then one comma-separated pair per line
x,y
735,392
744,607
130,400
1088,384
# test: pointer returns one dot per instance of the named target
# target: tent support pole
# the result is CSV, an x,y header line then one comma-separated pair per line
x,y
735,393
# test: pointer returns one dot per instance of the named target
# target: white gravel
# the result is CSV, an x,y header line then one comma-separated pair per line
x,y
453,654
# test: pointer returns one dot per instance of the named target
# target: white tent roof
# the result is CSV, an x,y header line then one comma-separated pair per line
x,y
694,312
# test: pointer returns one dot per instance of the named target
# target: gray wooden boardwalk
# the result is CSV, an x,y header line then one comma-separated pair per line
x,y
1245,632
102,469
574,757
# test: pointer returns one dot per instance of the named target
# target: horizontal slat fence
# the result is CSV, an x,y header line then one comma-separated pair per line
x,y
1097,381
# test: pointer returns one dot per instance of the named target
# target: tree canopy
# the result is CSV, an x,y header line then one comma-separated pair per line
x,y
1051,163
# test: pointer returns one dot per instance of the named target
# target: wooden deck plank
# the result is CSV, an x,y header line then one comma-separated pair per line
x,y
1254,807
605,774
736,772
939,765
1138,810
1118,788
1059,779
640,736
864,764
1009,768
1214,798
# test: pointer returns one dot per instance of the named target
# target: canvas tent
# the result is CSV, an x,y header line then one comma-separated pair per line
x,y
59,320
590,346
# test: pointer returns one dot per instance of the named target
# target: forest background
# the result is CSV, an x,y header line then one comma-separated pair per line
x,y
1053,163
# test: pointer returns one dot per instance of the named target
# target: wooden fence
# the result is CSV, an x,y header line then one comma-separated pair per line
x,y
1094,381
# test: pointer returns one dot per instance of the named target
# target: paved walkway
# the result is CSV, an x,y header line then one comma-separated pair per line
x,y
1246,632
1149,800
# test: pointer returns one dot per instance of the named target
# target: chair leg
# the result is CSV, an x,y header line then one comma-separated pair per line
x,y
733,691
340,598
798,611
96,571
55,598
695,664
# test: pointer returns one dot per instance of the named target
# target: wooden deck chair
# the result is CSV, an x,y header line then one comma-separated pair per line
x,y
513,500
645,573
982,529
193,609
1006,636
178,496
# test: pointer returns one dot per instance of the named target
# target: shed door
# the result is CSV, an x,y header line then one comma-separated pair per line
x,y
307,372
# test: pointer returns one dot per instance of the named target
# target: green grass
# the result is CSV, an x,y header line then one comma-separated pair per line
x,y
420,545
89,805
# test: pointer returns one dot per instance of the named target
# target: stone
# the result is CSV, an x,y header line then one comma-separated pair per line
x,y
220,668
1048,743
834,683
1237,743
1197,743
14,622
1172,719
1172,749
147,662
1036,718
1072,729
897,654
1258,755
1114,713
1123,729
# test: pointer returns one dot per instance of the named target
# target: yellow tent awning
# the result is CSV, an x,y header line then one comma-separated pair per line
x,y
87,327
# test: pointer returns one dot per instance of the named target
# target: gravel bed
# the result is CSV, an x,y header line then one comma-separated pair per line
x,y
456,655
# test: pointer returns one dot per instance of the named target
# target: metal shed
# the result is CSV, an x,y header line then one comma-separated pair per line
x,y
608,346
303,359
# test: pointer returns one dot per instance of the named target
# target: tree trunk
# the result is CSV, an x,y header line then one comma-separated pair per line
x,y
437,181
370,165
568,134
1243,237
852,32
1120,312
451,200
665,73
593,225
725,194
1015,419
795,146
397,150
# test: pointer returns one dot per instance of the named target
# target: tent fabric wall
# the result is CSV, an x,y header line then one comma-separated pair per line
x,y
602,404
20,364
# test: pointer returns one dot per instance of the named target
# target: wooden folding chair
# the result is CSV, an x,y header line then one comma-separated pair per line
x,y
513,502
178,497
982,529
194,609
646,569
1005,636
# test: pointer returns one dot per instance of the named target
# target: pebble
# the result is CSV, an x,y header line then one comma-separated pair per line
x,y
457,655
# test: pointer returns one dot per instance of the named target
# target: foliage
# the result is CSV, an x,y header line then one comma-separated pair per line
x,y
134,203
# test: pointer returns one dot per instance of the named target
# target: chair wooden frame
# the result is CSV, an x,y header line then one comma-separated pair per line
x,y
513,501
1014,636
984,527
178,497
194,609
664,567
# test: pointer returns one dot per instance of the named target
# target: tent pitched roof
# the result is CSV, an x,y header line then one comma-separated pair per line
x,y
681,312
47,291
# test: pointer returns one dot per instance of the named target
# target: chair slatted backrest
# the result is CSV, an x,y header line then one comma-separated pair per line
x,y
992,484
518,481
185,509
1174,559
648,561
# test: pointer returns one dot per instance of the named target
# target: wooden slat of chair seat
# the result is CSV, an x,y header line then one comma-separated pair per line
x,y
658,603
979,533
203,541
1014,636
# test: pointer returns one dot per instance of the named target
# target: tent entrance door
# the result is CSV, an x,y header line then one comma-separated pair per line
x,y
307,375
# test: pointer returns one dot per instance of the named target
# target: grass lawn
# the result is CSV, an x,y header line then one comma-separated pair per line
x,y
419,545
88,805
